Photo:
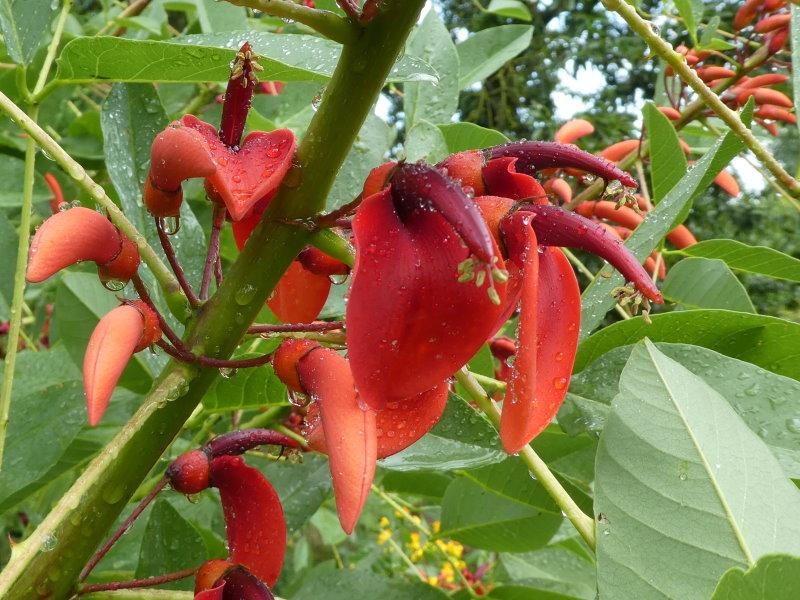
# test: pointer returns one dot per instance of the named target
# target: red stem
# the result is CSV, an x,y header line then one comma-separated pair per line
x,y
296,327
239,442
213,248
119,532
169,251
137,583
216,363
332,218
138,284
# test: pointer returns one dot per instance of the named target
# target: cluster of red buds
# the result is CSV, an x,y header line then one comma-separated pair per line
x,y
773,21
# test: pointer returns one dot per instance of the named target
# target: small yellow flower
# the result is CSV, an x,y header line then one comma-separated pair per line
x,y
416,555
383,536
433,580
436,526
447,572
384,522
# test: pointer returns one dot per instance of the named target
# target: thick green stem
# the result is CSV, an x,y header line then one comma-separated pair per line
x,y
78,523
582,522
334,245
327,23
681,68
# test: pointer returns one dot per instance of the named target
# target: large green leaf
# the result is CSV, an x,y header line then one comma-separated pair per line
x,y
596,299
206,57
683,486
11,171
485,52
423,100
500,508
768,342
667,160
513,9
461,439
425,141
775,577
748,259
25,24
220,16
47,413
764,400
81,301
468,136
301,487
552,569
706,283
246,389
170,544
429,484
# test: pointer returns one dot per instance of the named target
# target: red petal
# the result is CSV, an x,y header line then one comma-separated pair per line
x,y
253,517
111,346
349,430
573,130
179,153
398,425
243,178
410,324
242,585
212,594
501,179
548,339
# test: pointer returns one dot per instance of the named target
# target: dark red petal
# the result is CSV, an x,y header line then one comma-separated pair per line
x,y
242,585
244,177
398,425
501,179
557,227
212,594
549,324
238,96
209,574
534,156
242,440
253,517
410,323
349,430
316,261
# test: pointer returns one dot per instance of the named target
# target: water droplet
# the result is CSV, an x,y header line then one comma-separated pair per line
x,y
170,225
49,543
560,383
113,285
793,425
245,294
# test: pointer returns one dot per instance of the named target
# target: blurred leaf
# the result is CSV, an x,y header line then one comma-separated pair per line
x,y
205,57
768,342
513,9
550,569
706,283
468,136
500,508
170,544
25,24
425,141
11,172
667,160
461,439
486,51
302,487
749,259
423,100
348,584
220,16
9,242
246,389
683,486
327,524
775,577
429,484
528,591
686,11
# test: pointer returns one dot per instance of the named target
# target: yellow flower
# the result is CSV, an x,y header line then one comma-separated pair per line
x,y
433,580
447,572
414,543
436,526
384,535
416,555
384,522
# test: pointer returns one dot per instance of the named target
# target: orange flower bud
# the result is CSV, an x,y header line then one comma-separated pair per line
x,y
573,130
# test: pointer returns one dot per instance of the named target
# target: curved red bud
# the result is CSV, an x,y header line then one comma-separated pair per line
x,y
253,517
726,182
350,430
680,237
238,96
179,153
113,342
466,168
209,574
317,262
762,80
542,155
560,188
124,265
242,440
398,425
410,323
772,22
76,235
714,72
189,474
243,585
672,114
286,358
557,227
573,130
501,179
775,113
549,324
55,188
765,96
245,176
616,152
503,348
378,179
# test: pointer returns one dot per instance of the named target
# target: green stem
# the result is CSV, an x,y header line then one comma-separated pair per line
x,y
52,48
327,23
19,288
78,523
681,68
582,522
334,245
74,169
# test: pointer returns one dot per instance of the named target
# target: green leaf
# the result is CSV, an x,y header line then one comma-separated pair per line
x,y
500,508
775,577
205,57
762,399
683,486
461,439
424,100
11,172
513,9
81,300
529,591
8,250
428,484
327,524
596,299
47,413
25,24
685,9
769,342
667,160
170,544
552,569
485,52
220,16
302,487
748,259
425,141
706,283
348,584
468,136
246,389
